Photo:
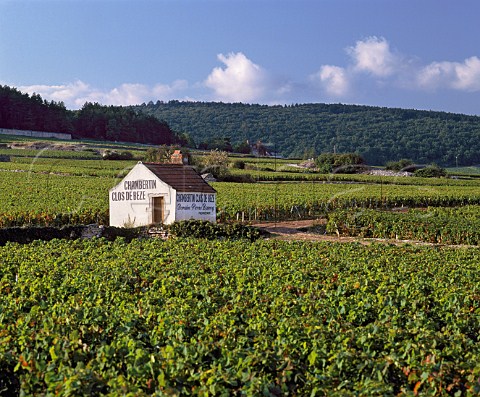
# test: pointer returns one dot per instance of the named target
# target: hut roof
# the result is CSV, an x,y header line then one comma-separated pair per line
x,y
182,178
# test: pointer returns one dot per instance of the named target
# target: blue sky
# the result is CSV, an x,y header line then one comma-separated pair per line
x,y
421,54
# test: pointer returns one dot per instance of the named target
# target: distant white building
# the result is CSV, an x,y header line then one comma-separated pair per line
x,y
155,193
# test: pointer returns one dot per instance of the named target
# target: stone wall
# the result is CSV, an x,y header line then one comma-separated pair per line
x,y
36,134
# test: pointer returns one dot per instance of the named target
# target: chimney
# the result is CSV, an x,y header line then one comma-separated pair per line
x,y
178,158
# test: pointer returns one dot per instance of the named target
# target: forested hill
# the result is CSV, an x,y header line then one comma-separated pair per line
x,y
114,123
378,134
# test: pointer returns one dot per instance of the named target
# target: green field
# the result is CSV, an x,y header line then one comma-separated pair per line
x,y
473,171
56,187
191,317
458,225
35,197
69,167
223,317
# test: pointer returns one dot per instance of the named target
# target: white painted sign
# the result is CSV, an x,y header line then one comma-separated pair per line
x,y
196,205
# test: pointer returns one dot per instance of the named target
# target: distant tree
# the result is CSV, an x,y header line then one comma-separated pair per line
x,y
400,165
114,155
160,154
221,144
345,163
432,171
261,148
163,154
309,153
216,163
184,139
377,134
24,112
243,147
227,145
121,124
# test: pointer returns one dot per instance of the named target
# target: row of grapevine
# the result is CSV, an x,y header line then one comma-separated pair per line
x,y
60,166
44,199
48,195
51,153
39,218
269,201
115,168
296,175
441,226
197,317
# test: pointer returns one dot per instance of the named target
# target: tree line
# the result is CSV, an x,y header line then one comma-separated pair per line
x,y
307,130
377,134
93,121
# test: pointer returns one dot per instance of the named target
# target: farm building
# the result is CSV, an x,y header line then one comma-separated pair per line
x,y
154,193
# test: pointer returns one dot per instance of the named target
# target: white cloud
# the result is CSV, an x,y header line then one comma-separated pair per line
x,y
333,79
60,93
374,66
373,55
74,95
371,66
126,94
459,76
166,91
240,81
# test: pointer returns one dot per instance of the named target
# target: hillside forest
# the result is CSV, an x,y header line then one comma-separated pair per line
x,y
307,130
93,121
377,134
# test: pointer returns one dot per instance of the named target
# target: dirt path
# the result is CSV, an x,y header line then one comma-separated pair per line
x,y
298,230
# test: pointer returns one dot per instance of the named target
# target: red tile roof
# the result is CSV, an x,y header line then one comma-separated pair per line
x,y
181,177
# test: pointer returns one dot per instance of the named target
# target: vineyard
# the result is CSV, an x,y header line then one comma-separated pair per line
x,y
193,317
299,175
49,153
44,198
69,167
238,314
306,200
435,225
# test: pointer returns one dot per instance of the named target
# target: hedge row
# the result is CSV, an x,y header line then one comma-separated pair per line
x,y
25,235
191,228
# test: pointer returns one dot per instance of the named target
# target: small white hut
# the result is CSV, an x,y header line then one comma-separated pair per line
x,y
153,193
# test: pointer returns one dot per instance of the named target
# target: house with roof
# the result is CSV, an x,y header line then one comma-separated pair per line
x,y
154,193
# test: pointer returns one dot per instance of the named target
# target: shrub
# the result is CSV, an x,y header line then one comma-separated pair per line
x,y
432,171
343,163
243,147
114,155
163,154
238,164
400,165
212,231
216,162
25,235
245,178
